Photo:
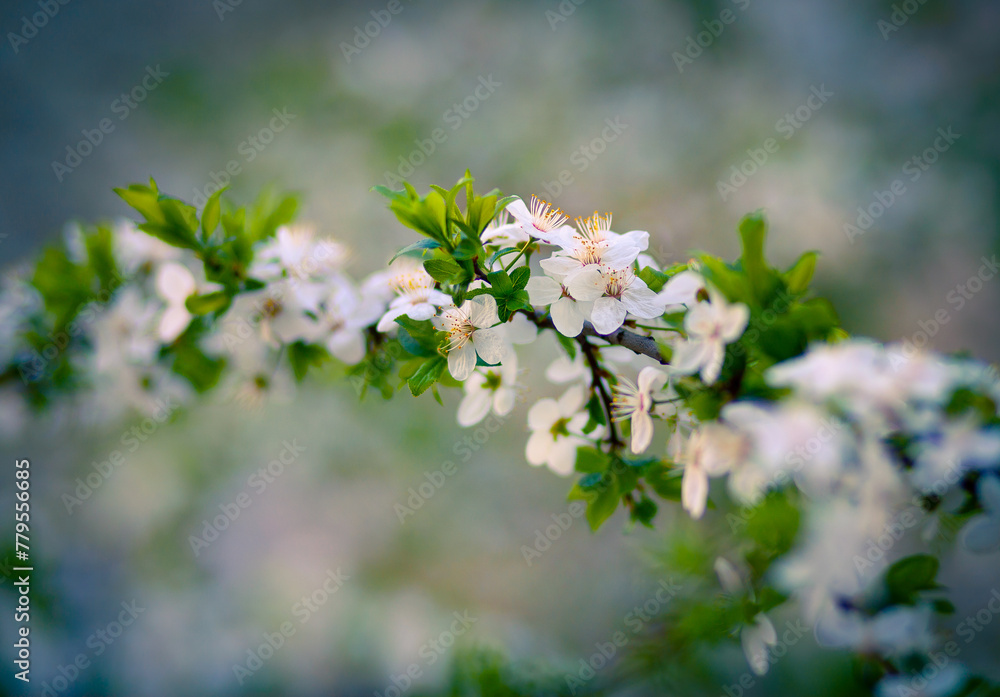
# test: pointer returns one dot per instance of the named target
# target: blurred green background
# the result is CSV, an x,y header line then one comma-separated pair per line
x,y
551,77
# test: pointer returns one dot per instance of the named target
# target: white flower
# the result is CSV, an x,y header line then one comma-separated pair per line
x,y
946,456
615,293
564,369
541,221
501,232
790,438
344,315
896,631
567,314
709,326
557,431
982,533
729,578
856,371
756,640
595,243
486,389
681,291
295,252
416,296
635,402
470,332
125,333
278,311
174,284
711,451
135,249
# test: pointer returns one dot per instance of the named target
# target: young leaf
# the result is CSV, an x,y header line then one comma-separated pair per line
x,y
417,249
443,270
427,375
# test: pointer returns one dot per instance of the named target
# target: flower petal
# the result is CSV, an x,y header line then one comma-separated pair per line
x,y
559,265
543,414
586,284
462,361
642,431
474,407
489,344
483,311
607,315
543,290
982,534
650,379
641,301
174,283
175,320
567,317
694,491
682,289
538,448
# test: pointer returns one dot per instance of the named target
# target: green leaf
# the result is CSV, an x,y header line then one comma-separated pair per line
x,y
210,214
644,511
302,355
269,213
191,363
589,459
417,249
653,278
443,270
911,575
801,273
664,481
210,302
501,283
603,504
427,374
568,344
753,230
501,253
520,276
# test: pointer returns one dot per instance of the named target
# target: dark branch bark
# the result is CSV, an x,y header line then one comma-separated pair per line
x,y
636,343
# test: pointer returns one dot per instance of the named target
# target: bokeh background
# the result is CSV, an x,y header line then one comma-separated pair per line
x,y
557,74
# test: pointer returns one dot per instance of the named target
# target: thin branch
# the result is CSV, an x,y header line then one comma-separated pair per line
x,y
589,352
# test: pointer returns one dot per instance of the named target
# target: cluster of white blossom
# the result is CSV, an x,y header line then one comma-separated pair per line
x,y
862,430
